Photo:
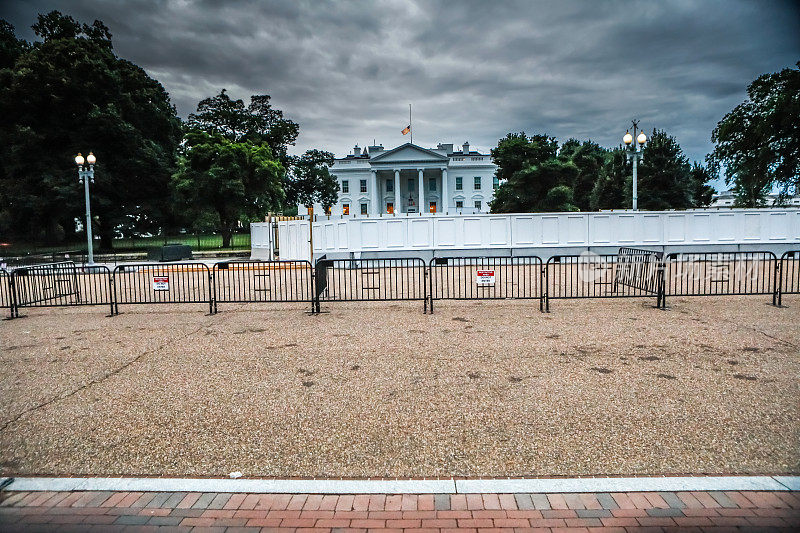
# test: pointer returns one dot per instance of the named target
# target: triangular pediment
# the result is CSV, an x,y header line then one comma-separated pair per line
x,y
407,152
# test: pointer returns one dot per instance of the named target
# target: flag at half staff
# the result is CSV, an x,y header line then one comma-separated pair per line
x,y
407,129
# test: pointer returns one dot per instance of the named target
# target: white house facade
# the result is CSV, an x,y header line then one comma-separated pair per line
x,y
413,179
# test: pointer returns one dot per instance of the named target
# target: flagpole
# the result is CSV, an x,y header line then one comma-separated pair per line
x,y
409,124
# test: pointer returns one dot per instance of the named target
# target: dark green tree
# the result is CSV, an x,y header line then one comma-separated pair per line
x,y
612,189
517,151
226,182
257,122
703,192
665,180
537,188
70,93
589,158
758,143
11,47
310,180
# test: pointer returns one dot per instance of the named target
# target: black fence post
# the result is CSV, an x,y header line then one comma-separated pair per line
x,y
320,280
778,284
212,301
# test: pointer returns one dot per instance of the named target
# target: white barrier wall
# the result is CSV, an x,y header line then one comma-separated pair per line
x,y
541,230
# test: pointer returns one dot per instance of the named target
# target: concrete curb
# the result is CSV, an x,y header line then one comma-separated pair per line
x,y
410,486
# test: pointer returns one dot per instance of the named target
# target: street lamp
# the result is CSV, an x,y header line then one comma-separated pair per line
x,y
635,154
86,174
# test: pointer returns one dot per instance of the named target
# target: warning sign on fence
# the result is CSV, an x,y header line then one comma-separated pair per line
x,y
160,283
485,278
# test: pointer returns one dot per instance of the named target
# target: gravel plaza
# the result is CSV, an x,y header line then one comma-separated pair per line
x,y
479,389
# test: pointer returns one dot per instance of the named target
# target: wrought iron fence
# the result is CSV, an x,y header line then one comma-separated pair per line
x,y
61,284
263,281
788,276
356,280
486,278
603,276
163,283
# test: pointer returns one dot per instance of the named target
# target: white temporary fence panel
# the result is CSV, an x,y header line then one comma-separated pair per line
x,y
261,241
540,230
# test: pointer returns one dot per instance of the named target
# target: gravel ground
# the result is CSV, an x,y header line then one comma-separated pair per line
x,y
368,390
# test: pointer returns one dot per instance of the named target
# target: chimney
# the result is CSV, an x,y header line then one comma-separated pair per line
x,y
466,148
356,151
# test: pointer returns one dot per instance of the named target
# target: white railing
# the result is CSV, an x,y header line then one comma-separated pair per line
x,y
538,230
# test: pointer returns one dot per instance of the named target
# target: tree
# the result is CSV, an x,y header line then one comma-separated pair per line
x,y
703,192
225,182
665,178
257,122
71,93
540,187
612,189
589,158
310,180
517,151
758,143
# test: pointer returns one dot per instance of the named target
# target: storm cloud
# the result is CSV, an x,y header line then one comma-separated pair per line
x,y
473,71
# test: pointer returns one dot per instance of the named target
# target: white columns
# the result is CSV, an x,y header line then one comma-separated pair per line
x,y
398,200
445,197
421,192
373,187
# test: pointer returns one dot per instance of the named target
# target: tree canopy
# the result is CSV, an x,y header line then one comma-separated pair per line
x,y
225,182
70,93
758,143
258,122
538,176
310,180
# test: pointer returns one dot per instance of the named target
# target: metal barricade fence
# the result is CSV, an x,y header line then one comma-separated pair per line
x,y
61,285
788,276
163,283
486,278
721,274
263,281
356,280
602,276
6,292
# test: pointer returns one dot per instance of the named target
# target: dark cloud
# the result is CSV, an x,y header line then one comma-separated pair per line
x,y
472,70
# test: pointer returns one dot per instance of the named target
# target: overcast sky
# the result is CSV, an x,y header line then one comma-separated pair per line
x,y
473,71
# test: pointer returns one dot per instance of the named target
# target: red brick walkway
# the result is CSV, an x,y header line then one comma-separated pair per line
x,y
556,513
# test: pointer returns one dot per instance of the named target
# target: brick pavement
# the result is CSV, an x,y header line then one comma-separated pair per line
x,y
514,513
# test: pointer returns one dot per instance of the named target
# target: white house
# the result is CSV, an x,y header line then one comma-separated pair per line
x,y
413,179
728,199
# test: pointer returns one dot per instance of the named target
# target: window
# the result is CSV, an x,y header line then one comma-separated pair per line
x,y
459,183
459,204
389,185
345,209
363,209
477,183
390,207
411,184
495,183
478,205
433,207
363,185
432,184
345,185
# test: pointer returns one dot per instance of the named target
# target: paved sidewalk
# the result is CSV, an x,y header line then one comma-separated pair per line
x,y
624,512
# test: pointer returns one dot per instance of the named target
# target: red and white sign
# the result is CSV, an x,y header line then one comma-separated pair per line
x,y
485,278
160,283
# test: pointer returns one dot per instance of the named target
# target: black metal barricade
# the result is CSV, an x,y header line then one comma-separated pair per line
x,y
721,274
626,275
61,285
263,281
356,280
6,292
163,283
788,276
486,278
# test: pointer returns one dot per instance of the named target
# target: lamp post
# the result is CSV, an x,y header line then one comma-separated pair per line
x,y
86,174
635,154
